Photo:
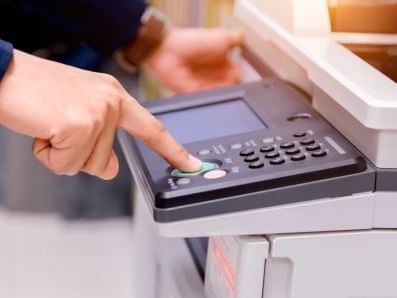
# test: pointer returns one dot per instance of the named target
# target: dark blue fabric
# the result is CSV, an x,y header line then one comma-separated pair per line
x,y
104,25
5,56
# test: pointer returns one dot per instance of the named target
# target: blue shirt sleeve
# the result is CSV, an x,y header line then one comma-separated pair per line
x,y
6,51
106,25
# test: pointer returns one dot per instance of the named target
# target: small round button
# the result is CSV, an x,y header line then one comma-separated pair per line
x,y
277,161
214,174
266,149
268,140
204,152
306,142
319,153
183,181
256,165
236,146
299,116
287,145
272,154
292,151
313,147
251,158
247,152
300,134
298,157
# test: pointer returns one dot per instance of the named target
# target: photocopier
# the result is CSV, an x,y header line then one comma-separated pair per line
x,y
297,195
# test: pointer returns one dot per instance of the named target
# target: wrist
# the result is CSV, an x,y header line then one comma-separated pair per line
x,y
155,27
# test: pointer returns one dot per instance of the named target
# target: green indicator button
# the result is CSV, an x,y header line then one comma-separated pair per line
x,y
205,167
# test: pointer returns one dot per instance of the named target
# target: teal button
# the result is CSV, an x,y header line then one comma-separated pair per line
x,y
205,167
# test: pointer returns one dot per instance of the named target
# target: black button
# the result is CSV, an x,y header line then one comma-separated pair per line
x,y
266,149
247,152
298,157
277,161
307,142
313,147
319,153
300,134
272,155
287,145
256,165
251,158
292,151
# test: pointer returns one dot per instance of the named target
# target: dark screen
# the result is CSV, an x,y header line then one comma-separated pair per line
x,y
211,121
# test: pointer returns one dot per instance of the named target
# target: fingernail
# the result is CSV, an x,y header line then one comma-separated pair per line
x,y
195,163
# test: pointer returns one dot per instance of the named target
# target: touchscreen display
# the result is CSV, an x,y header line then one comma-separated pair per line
x,y
211,121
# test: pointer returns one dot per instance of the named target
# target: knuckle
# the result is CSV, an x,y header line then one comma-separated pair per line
x,y
111,93
81,130
181,151
93,167
113,102
112,81
59,168
158,131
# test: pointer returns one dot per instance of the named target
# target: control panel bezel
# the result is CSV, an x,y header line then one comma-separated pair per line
x,y
289,118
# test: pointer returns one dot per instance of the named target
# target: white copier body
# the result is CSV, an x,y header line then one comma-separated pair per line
x,y
339,248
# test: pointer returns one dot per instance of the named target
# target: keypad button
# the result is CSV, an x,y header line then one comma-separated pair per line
x,y
183,181
313,147
256,165
204,152
268,140
236,146
215,174
266,149
287,145
247,152
319,153
306,142
300,134
298,157
251,158
292,151
272,154
277,161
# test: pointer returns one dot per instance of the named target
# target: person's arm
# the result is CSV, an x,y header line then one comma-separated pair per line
x,y
106,25
199,58
72,114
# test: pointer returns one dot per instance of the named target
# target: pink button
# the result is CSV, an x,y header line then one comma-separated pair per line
x,y
215,174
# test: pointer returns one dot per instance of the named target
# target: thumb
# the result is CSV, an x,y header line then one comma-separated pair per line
x,y
140,123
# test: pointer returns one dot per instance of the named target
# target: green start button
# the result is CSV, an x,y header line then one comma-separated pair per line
x,y
205,167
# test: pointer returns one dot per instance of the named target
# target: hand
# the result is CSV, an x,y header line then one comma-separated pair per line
x,y
73,115
196,59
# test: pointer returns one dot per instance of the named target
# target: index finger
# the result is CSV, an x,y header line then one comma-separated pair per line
x,y
138,122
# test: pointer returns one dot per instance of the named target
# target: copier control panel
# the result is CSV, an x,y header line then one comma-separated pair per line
x,y
253,139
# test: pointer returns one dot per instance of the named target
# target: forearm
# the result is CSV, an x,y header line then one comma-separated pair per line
x,y
6,52
106,25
